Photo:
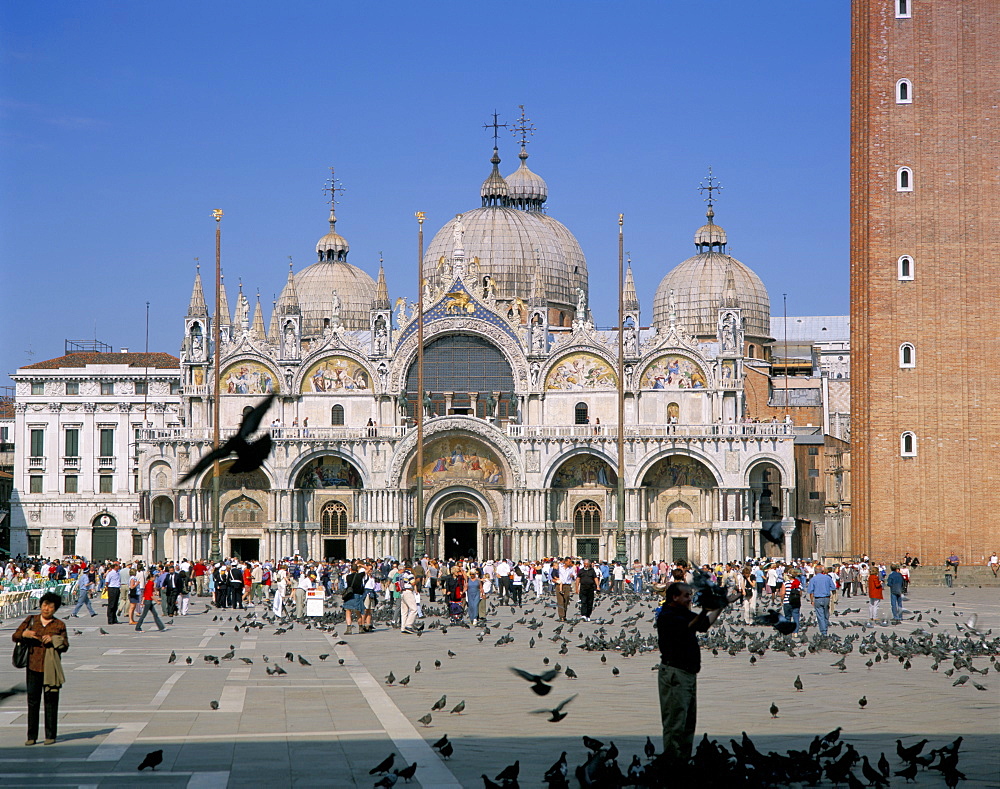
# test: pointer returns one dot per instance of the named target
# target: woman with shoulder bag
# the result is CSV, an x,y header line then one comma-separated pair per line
x,y
46,639
791,597
354,597
134,593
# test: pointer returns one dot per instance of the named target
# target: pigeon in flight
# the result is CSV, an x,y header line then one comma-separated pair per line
x,y
538,681
556,714
250,455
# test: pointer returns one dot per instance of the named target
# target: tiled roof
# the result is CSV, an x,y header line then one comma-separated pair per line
x,y
162,361
6,409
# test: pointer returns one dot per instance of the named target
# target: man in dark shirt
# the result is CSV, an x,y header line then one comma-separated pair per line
x,y
680,662
586,587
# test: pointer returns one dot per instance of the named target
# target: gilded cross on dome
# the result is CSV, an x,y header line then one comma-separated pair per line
x,y
524,127
713,186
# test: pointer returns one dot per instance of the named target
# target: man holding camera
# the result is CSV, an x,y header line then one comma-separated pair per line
x,y
680,661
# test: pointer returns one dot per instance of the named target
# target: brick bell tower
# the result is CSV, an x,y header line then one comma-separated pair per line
x,y
925,278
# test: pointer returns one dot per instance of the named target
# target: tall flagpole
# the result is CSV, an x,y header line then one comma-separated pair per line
x,y
216,552
420,538
620,555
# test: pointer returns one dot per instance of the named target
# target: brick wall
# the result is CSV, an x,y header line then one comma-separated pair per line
x,y
947,496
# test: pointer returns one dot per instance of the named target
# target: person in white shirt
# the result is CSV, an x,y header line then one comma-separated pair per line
x,y
994,564
280,587
408,602
564,577
307,581
503,579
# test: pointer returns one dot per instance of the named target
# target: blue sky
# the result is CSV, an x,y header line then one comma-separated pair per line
x,y
123,125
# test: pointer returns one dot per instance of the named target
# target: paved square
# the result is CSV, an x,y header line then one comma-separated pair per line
x,y
328,724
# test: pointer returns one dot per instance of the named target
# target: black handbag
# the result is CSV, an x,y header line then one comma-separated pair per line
x,y
22,651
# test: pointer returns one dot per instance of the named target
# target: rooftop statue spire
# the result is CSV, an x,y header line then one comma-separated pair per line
x,y
629,296
197,307
381,301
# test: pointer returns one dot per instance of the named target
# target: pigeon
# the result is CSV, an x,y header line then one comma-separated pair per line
x,y
387,781
509,773
649,749
303,661
911,753
773,710
863,702
458,708
324,657
407,772
875,778
289,657
383,766
214,705
961,680
909,773
977,686
151,760
416,668
570,674
798,683
247,660
405,681
556,714
14,691
451,654
446,750
591,744
437,664
188,660
439,704
615,672
488,784
440,743
390,678
173,657
250,455
106,633
426,720
557,770
538,680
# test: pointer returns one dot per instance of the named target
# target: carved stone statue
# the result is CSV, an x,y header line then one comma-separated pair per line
x,y
197,344
538,338
381,341
729,331
581,304
631,341
491,405
288,341
401,312
243,312
536,368
383,373
459,232
335,310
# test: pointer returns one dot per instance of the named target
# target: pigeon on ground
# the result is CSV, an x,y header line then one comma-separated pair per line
x,y
458,708
798,683
250,455
773,710
439,704
426,720
863,702
152,759
446,750
14,691
188,660
324,657
173,657
509,773
247,660
303,661
103,631
384,766
407,772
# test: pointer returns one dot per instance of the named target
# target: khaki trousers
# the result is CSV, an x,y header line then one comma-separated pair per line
x,y
563,593
678,712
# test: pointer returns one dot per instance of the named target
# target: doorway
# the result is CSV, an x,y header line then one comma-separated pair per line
x,y
334,549
104,543
460,539
245,548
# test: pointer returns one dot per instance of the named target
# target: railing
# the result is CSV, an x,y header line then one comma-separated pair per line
x,y
755,430
105,462
71,463
36,462
198,391
279,433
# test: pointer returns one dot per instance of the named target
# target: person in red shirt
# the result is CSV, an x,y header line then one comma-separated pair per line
x,y
200,577
150,599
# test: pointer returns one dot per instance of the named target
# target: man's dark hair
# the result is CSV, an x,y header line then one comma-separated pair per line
x,y
675,589
51,597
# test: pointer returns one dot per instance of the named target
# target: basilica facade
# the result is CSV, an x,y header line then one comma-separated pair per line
x,y
519,406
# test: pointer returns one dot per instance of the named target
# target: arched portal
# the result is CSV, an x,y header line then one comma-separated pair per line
x,y
679,498
587,529
459,520
333,528
104,538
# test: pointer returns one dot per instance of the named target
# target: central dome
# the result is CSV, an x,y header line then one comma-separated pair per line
x,y
512,244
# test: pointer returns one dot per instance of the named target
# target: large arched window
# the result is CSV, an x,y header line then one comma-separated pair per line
x,y
581,414
905,267
907,355
333,519
587,519
904,92
463,365
337,415
904,179
908,445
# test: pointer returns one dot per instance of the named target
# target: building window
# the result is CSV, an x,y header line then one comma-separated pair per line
x,y
581,414
337,415
107,442
814,472
4,435
72,444
907,355
37,388
175,387
107,483
333,519
136,543
908,445
35,483
587,519
141,388
34,543
107,387
37,436
72,387
71,484
813,450
69,543
904,92
905,267
814,494
902,9
904,179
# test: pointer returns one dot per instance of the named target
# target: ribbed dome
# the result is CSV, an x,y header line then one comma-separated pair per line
x,y
332,246
494,190
710,235
510,245
699,284
315,285
527,190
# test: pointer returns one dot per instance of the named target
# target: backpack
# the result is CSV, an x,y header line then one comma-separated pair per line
x,y
795,598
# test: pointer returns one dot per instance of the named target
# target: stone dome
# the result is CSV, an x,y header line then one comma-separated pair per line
x,y
699,287
316,284
527,190
510,245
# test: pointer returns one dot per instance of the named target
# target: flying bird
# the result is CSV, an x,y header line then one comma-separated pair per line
x,y
538,680
250,455
556,714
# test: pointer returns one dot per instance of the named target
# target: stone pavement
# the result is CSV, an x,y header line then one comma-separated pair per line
x,y
327,724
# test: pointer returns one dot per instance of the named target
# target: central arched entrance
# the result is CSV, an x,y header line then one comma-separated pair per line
x,y
459,521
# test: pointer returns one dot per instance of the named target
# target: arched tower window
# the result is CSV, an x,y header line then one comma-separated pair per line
x,y
581,414
587,519
904,179
907,355
908,445
904,92
752,351
903,9
333,519
905,267
337,415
